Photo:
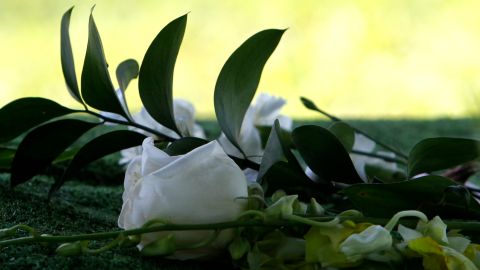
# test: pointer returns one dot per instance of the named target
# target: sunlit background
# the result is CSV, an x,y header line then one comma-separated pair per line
x,y
356,59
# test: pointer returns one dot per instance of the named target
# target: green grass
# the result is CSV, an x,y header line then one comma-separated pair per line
x,y
85,206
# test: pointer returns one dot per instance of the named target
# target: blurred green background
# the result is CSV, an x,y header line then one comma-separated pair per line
x,y
356,59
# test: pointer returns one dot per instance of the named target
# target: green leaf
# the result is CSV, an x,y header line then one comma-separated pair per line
x,y
68,64
184,145
238,81
126,71
264,132
274,150
155,81
96,148
97,88
344,132
290,178
325,154
385,175
384,200
441,153
23,114
6,157
43,144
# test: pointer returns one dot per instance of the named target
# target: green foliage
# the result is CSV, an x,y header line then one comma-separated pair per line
x,y
276,150
126,71
238,81
344,133
156,73
308,164
324,154
23,114
6,157
427,193
435,154
68,64
184,145
97,87
43,144
96,148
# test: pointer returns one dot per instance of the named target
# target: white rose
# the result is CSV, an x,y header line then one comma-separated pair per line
x,y
200,187
263,113
184,113
364,144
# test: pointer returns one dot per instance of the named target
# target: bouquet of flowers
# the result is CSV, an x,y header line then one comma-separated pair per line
x,y
265,194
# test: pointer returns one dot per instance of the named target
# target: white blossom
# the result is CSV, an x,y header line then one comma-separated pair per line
x,y
202,186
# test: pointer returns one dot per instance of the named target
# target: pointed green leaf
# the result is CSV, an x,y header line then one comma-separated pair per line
x,y
43,144
126,71
384,200
274,151
155,80
291,179
441,153
344,133
325,154
98,147
184,145
239,78
97,88
384,175
23,114
68,64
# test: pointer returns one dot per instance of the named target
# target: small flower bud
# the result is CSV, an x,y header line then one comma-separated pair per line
x,y
238,248
162,247
299,208
129,241
314,208
255,189
352,213
70,249
435,228
283,206
278,195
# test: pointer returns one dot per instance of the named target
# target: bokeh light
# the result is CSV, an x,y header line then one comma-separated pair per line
x,y
358,59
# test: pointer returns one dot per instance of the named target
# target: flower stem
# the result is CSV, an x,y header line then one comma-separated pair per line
x,y
409,213
130,123
311,222
336,119
162,137
379,156
153,228
289,220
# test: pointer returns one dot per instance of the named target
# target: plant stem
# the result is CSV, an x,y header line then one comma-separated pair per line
x,y
409,213
131,123
307,221
240,162
336,119
153,228
325,221
386,158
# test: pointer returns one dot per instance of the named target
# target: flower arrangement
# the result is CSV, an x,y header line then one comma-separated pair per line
x,y
269,195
